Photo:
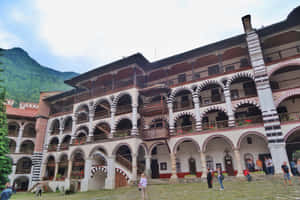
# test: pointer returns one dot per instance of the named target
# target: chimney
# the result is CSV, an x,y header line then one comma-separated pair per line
x,y
247,23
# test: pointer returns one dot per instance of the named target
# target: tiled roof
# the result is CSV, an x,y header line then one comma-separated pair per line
x,y
28,112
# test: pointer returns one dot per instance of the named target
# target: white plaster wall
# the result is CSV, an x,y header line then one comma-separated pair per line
x,y
186,151
97,182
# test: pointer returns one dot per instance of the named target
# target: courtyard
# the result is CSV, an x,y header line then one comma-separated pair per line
x,y
265,189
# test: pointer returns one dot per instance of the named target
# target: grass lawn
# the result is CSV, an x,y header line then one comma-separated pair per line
x,y
269,189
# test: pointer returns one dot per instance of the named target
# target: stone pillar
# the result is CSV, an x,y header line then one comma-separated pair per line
x,y
148,166
113,110
173,168
171,118
231,120
134,168
56,170
269,113
19,140
61,126
91,119
134,130
74,121
70,164
111,173
237,156
197,111
203,164
43,170
87,174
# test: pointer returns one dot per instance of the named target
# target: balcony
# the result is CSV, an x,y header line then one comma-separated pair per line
x,y
64,147
12,132
214,125
101,115
154,108
289,117
123,109
282,54
155,134
246,121
182,130
122,133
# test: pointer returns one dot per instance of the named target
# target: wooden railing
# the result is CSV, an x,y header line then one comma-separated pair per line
x,y
245,121
292,116
13,133
23,171
154,108
215,125
122,133
124,162
182,130
281,54
101,115
155,134
123,109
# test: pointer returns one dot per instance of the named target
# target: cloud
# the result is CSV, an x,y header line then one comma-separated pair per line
x,y
102,31
8,40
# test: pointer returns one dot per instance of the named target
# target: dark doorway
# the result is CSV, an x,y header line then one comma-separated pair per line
x,y
192,166
229,165
154,168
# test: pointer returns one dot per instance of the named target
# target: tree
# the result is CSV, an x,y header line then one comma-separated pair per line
x,y
5,161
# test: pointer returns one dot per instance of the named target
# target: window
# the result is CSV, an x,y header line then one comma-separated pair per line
x,y
229,68
234,94
213,70
244,62
249,88
215,95
181,78
163,166
249,140
196,75
209,163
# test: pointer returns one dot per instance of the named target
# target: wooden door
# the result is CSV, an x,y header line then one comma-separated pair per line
x,y
229,165
120,180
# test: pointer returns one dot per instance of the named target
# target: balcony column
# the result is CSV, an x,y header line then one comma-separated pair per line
x,y
134,168
55,170
91,119
173,178
203,164
148,166
197,111
134,106
238,162
87,175
171,118
113,110
19,139
231,120
61,126
70,163
74,121
111,173
43,170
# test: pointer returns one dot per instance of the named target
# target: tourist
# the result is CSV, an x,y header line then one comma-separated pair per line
x,y
271,166
38,190
6,193
293,167
298,167
143,186
220,178
247,175
266,166
209,178
286,173
259,164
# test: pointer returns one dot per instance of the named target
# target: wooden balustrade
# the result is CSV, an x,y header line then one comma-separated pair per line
x,y
155,134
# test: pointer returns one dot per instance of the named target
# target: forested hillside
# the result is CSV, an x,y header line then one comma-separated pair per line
x,y
24,78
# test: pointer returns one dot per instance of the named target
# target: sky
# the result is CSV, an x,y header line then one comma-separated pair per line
x,y
80,35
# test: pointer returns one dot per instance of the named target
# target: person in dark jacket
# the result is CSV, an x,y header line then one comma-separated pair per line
x,y
6,194
209,178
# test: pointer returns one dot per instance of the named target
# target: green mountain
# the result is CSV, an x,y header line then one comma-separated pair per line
x,y
24,78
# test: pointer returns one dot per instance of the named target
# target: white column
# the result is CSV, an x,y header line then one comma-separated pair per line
x,y
173,168
55,170
279,155
197,111
203,164
134,168
87,174
171,118
19,139
74,121
112,121
111,173
148,166
231,120
238,162
70,163
134,106
91,119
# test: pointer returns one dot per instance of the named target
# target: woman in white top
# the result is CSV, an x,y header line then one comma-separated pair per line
x,y
143,185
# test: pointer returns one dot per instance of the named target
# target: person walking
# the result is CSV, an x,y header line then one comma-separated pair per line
x,y
286,173
220,178
272,171
266,166
209,178
143,185
6,193
38,191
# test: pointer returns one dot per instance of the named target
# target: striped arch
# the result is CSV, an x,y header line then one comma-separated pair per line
x,y
180,114
286,95
239,75
177,90
208,82
180,141
207,140
214,107
119,96
96,169
246,101
282,65
77,150
100,100
82,128
96,149
81,106
121,118
118,170
102,121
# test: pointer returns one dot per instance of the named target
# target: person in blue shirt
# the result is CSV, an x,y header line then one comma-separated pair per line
x,y
6,193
